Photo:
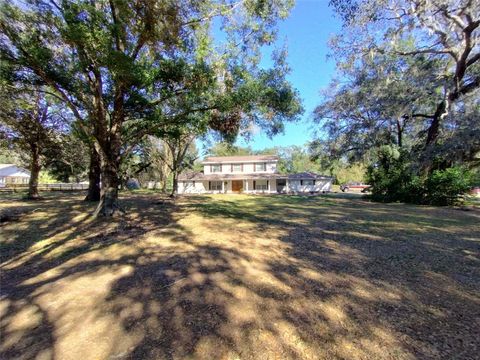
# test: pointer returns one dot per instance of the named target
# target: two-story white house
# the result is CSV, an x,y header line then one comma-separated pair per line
x,y
248,174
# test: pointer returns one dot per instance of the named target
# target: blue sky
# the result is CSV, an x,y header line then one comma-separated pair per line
x,y
306,33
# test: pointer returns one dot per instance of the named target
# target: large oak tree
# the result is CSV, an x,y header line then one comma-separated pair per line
x,y
445,30
117,65
410,67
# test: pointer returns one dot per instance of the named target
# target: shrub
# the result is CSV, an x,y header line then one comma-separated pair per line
x,y
446,187
393,179
389,176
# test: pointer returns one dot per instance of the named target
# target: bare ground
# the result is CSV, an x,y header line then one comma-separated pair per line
x,y
239,277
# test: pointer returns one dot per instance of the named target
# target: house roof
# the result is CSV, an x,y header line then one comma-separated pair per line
x,y
13,171
201,176
307,175
233,159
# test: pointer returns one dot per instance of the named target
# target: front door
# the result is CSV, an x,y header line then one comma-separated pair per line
x,y
281,185
237,185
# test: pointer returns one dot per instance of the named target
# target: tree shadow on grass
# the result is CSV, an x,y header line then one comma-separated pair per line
x,y
420,296
411,284
264,277
54,240
38,220
339,287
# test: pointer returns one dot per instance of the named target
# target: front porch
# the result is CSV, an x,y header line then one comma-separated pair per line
x,y
199,183
248,186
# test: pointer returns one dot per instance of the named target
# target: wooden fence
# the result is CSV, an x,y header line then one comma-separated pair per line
x,y
45,187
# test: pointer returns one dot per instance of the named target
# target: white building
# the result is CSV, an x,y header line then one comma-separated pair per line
x,y
13,174
249,174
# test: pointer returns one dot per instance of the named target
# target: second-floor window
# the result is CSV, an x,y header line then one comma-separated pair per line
x,y
237,167
216,168
261,167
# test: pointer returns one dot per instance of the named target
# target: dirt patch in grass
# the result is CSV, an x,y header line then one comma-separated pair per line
x,y
239,277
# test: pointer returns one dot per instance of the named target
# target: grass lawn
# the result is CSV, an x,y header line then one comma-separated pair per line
x,y
239,277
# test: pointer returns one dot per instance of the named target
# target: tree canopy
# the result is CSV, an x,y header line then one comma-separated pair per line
x,y
410,81
128,69
414,75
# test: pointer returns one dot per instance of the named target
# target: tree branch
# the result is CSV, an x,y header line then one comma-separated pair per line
x,y
426,116
473,59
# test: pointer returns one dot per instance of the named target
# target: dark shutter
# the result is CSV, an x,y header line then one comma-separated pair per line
x,y
254,185
210,185
313,182
301,182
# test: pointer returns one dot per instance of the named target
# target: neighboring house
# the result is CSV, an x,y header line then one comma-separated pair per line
x,y
248,174
13,174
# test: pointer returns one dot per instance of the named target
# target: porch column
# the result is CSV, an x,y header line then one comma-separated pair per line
x,y
268,184
246,185
223,186
286,186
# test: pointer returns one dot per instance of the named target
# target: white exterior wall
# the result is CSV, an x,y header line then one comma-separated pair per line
x,y
200,187
248,168
273,185
190,187
248,184
12,174
320,185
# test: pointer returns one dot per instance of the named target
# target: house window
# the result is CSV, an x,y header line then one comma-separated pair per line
x,y
237,167
293,184
261,167
215,168
261,185
308,182
215,185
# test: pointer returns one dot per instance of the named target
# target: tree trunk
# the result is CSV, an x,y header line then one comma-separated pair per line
x,y
432,134
34,173
434,127
110,156
108,204
399,133
164,179
94,171
174,184
163,185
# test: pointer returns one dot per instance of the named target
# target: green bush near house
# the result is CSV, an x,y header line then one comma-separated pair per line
x,y
393,178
